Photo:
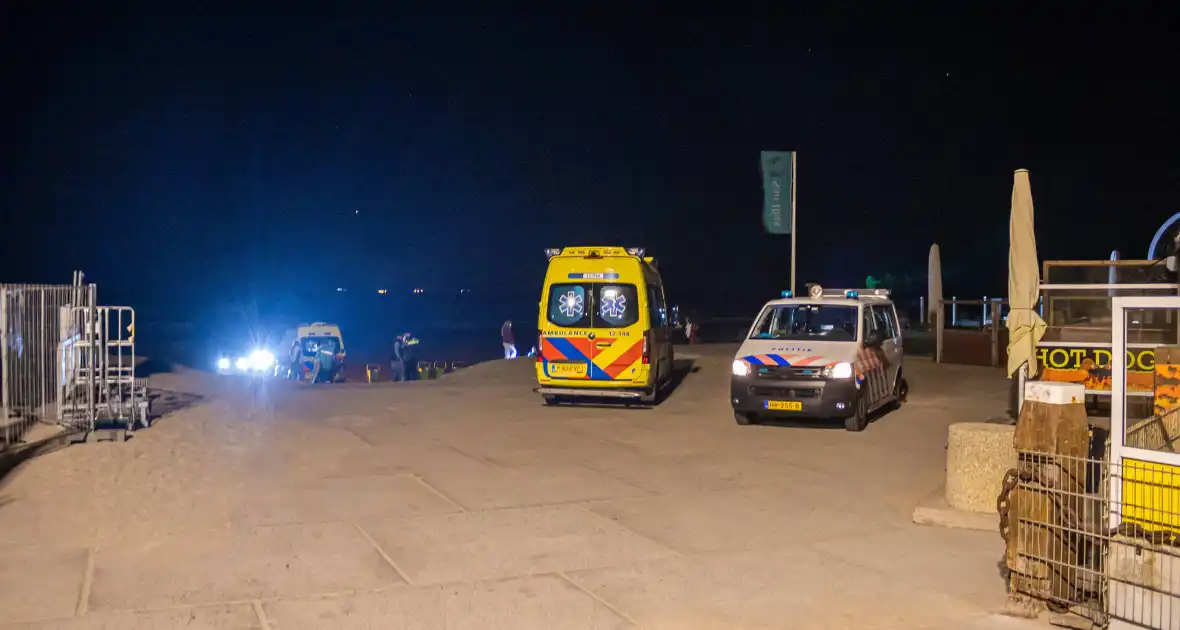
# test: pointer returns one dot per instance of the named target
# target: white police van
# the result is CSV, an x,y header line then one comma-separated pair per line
x,y
834,354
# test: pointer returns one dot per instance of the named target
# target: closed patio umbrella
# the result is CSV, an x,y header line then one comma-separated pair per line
x,y
1025,326
933,284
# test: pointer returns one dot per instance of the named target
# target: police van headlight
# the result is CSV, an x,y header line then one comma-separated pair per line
x,y
741,367
840,370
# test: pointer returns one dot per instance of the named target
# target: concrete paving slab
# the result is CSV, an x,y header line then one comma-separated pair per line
x,y
902,474
531,444
238,564
49,591
966,565
743,519
721,471
656,437
507,543
417,416
54,520
934,510
662,475
794,588
532,485
392,431
345,499
946,516
303,453
995,621
535,603
215,617
413,455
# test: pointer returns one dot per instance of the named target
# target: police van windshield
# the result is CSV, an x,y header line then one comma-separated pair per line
x,y
818,322
593,305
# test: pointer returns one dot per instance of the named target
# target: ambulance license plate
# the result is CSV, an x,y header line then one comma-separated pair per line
x,y
784,405
567,370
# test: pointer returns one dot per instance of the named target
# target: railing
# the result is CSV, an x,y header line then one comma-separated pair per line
x,y
984,340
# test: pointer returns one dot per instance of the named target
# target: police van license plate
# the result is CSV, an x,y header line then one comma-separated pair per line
x,y
784,405
567,370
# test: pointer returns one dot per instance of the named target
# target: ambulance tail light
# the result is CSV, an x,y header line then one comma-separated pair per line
x,y
647,347
540,340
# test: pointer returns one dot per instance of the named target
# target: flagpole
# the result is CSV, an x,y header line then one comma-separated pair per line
x,y
794,159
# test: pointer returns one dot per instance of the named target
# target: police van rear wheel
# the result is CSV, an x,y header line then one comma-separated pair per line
x,y
860,418
649,397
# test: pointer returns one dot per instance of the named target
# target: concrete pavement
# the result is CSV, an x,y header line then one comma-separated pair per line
x,y
464,503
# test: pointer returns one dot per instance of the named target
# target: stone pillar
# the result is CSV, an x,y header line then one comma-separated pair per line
x,y
977,456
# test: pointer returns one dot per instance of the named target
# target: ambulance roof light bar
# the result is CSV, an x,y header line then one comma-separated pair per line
x,y
552,251
635,251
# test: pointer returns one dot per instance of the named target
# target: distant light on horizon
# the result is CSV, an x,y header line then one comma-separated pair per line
x,y
340,289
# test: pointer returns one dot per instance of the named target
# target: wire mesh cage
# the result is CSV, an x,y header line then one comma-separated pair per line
x,y
1098,539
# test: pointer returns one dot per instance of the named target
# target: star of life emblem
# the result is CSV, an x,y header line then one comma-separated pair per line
x,y
570,305
613,305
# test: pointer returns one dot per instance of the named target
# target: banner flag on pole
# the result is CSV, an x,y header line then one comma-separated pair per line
x,y
778,198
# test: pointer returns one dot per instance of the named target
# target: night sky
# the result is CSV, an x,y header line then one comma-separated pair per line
x,y
187,158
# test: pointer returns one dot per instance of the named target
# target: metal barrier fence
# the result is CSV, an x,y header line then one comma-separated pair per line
x,y
1100,540
40,358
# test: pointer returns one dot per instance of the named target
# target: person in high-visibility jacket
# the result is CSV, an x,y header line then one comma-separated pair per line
x,y
398,364
411,345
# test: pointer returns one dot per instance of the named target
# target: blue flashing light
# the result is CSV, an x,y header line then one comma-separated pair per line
x,y
787,294
852,295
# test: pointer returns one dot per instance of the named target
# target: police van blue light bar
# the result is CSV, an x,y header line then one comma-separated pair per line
x,y
787,294
853,294
552,251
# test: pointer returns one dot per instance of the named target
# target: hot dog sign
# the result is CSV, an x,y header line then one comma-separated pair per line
x,y
1092,367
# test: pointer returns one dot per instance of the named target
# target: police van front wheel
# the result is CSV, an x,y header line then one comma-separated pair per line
x,y
860,417
745,419
901,390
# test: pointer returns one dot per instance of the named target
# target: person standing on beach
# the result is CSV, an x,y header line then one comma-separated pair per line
x,y
397,359
508,339
409,347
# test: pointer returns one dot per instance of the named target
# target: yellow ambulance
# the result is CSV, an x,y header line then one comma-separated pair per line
x,y
603,327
